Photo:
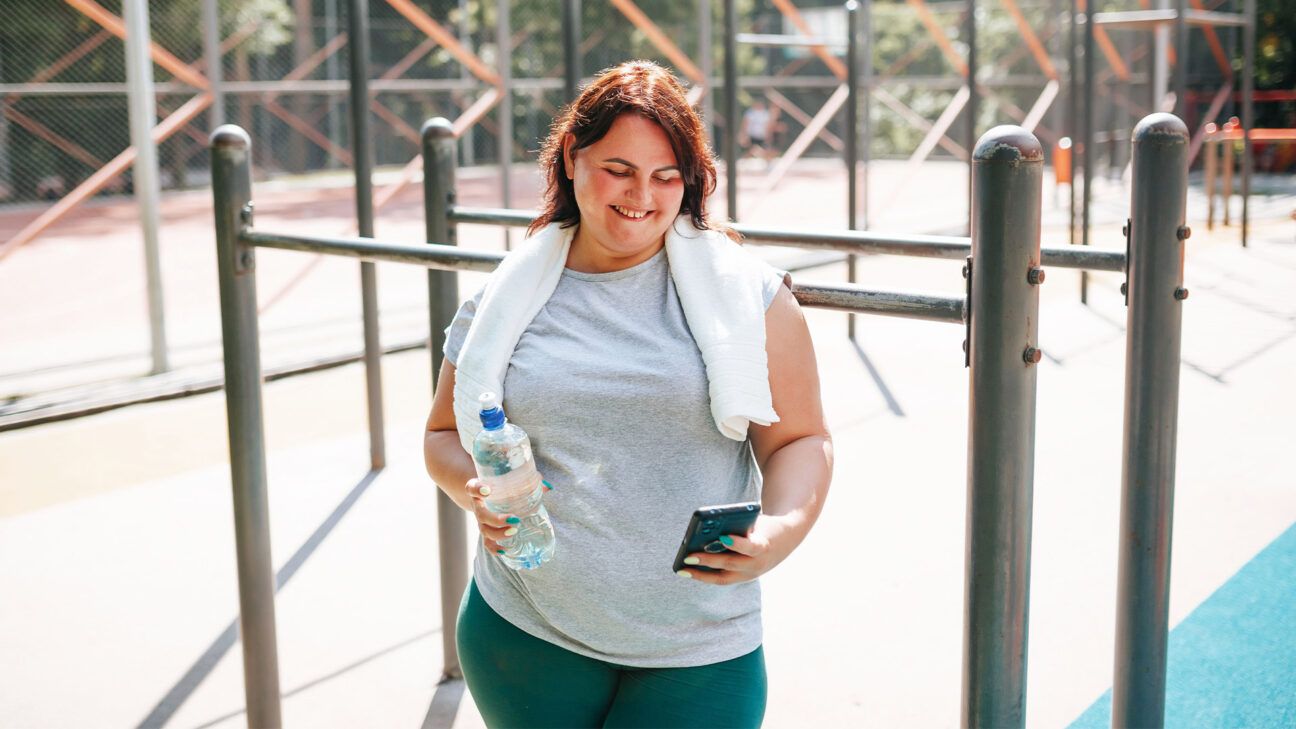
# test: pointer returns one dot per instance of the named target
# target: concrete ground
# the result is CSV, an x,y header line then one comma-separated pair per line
x,y
116,539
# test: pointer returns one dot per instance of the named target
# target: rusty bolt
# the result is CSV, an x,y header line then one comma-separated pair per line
x,y
1125,229
1032,355
1124,289
1035,276
246,214
1184,232
1181,293
965,271
245,259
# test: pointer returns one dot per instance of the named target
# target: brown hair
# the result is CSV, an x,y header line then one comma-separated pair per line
x,y
634,87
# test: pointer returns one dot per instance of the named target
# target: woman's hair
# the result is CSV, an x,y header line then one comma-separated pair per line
x,y
634,87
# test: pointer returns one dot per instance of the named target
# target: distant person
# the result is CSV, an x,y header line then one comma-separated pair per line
x,y
758,130
658,367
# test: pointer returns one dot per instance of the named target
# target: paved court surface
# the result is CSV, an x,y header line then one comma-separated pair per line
x,y
116,539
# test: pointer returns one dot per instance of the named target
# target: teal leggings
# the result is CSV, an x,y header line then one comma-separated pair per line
x,y
518,680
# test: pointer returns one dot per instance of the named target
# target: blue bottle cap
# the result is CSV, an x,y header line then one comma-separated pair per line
x,y
492,415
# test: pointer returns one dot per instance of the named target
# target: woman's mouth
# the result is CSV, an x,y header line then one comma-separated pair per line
x,y
629,214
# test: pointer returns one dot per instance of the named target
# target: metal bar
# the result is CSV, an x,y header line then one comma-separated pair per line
x,y
1072,116
438,257
1248,111
1002,352
785,104
451,258
1032,40
732,122
706,60
142,105
1087,155
852,138
974,99
212,56
1181,67
504,53
571,28
867,115
439,160
934,29
794,16
160,55
859,241
362,144
236,262
1154,326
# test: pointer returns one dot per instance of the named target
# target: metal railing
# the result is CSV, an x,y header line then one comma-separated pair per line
x,y
1000,313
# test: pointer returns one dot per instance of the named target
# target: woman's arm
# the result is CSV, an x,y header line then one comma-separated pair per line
x,y
795,454
452,468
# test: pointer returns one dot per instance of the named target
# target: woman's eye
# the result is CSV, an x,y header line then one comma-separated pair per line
x,y
665,180
619,173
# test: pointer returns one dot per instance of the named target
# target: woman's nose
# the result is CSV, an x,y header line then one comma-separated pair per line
x,y
640,190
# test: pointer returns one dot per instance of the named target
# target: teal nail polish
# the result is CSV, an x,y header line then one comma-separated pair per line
x,y
515,520
727,540
499,551
547,485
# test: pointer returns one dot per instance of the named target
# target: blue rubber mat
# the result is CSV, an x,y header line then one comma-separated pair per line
x,y
1232,662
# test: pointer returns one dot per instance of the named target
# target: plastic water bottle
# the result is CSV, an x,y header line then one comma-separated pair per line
x,y
502,454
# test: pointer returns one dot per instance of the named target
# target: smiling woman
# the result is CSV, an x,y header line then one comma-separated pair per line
x,y
659,368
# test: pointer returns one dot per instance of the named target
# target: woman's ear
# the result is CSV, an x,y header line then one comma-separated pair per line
x,y
569,155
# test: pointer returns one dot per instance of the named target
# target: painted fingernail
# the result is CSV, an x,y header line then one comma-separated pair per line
x,y
484,491
691,560
684,573
515,520
547,485
510,531
728,540
499,551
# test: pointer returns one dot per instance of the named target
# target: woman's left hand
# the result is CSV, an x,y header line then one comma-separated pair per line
x,y
747,557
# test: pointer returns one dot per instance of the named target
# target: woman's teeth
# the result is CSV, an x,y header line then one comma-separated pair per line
x,y
630,213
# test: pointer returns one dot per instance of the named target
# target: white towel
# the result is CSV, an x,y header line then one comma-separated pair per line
x,y
719,286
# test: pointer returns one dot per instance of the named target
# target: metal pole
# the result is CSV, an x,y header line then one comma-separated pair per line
x,y
866,115
1087,142
1181,60
852,137
1072,118
505,53
1154,320
1248,109
331,71
706,62
1160,59
212,52
443,299
362,144
236,265
571,26
732,122
1003,349
143,115
972,97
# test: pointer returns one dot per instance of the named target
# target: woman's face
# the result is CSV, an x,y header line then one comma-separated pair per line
x,y
629,189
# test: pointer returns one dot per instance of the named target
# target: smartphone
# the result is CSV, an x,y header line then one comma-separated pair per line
x,y
709,523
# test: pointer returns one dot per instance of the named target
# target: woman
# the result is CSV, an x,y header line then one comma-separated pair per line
x,y
627,425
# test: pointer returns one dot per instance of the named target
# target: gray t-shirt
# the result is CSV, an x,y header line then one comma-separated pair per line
x,y
610,386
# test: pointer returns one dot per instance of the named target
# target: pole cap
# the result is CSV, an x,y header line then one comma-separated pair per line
x,y
1161,128
229,136
1008,143
436,128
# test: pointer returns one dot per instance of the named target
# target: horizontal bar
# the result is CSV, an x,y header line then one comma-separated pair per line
x,y
848,297
453,258
1150,18
440,257
771,39
858,241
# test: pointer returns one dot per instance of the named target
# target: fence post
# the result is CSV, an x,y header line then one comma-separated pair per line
x,y
1008,165
236,265
439,160
1155,288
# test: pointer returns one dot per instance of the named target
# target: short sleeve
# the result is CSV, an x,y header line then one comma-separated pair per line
x,y
773,278
457,332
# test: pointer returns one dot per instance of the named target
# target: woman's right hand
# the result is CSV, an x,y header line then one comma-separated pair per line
x,y
494,527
